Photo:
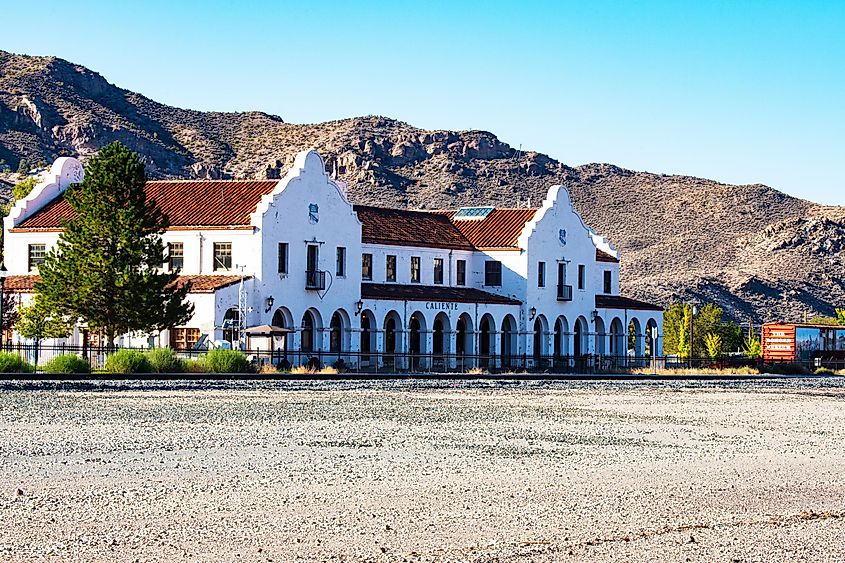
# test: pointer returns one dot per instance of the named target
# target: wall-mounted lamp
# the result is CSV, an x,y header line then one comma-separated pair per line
x,y
532,312
359,306
269,304
593,315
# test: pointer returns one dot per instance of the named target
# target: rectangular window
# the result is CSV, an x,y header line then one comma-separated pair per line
x,y
366,266
283,258
541,274
390,268
222,256
438,270
493,273
37,254
176,255
340,270
461,272
415,269
184,338
608,279
582,274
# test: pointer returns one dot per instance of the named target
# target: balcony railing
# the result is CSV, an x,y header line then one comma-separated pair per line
x,y
564,292
315,279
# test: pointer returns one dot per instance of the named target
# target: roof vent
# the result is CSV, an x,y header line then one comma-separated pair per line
x,y
470,213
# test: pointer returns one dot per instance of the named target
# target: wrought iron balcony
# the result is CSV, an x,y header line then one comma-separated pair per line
x,y
564,292
315,279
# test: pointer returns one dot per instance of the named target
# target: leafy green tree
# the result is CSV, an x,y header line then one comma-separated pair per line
x,y
106,269
840,315
23,167
37,323
752,348
673,318
713,345
683,346
22,188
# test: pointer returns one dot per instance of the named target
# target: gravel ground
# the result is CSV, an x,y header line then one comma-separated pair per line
x,y
423,471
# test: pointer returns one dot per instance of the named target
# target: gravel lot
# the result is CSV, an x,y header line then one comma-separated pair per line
x,y
422,471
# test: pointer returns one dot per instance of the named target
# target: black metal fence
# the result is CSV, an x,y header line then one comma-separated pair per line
x,y
371,362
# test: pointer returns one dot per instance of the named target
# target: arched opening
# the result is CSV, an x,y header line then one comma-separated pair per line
x,y
580,337
601,337
541,327
337,333
635,338
308,335
463,339
416,342
650,330
561,337
282,318
486,329
617,338
508,340
367,337
232,326
392,340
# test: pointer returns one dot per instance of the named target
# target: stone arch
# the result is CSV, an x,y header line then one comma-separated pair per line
x,y
464,332
617,338
282,318
441,330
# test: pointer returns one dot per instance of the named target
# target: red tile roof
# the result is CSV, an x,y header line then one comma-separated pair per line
x,y
437,293
602,256
188,203
199,284
499,230
381,225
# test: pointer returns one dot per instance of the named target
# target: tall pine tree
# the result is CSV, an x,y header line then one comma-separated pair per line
x,y
106,270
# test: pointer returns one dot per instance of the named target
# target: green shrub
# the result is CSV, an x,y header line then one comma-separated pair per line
x,y
227,361
195,366
165,360
13,363
127,361
67,363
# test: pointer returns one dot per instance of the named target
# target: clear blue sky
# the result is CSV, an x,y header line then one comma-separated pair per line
x,y
737,91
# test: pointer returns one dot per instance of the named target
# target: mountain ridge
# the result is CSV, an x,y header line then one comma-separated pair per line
x,y
755,251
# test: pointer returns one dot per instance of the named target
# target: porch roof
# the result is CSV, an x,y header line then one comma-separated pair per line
x,y
436,293
199,283
621,302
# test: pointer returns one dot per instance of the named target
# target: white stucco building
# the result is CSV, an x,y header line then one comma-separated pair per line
x,y
373,286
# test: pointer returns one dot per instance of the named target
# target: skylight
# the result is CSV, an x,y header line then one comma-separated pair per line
x,y
473,212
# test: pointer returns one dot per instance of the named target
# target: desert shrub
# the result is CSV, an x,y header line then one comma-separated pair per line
x,y
127,361
13,363
339,365
227,361
165,360
824,371
195,366
67,363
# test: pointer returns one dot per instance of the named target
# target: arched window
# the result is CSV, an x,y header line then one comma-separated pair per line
x,y
336,333
232,326
308,339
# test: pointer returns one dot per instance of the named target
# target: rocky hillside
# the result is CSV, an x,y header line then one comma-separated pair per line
x,y
754,250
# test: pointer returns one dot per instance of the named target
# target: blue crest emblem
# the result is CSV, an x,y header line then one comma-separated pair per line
x,y
561,236
313,211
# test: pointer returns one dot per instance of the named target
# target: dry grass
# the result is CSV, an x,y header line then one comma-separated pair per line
x,y
306,370
745,370
476,371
